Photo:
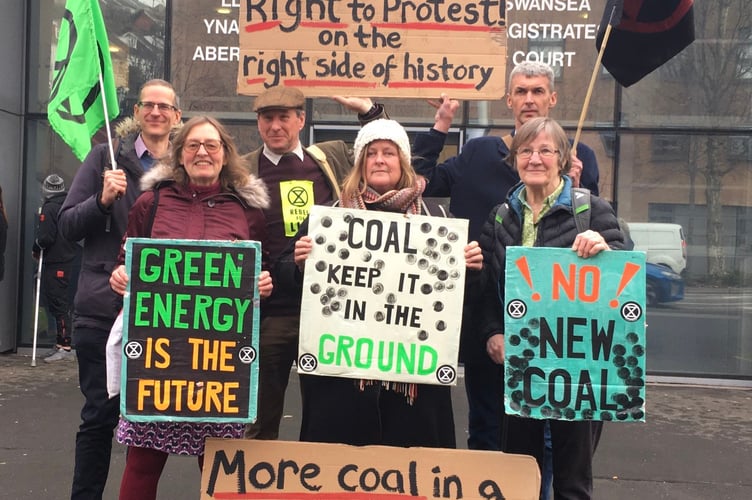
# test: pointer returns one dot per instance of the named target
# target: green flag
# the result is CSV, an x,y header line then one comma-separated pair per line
x,y
76,109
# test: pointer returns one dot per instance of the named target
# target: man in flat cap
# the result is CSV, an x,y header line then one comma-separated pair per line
x,y
298,178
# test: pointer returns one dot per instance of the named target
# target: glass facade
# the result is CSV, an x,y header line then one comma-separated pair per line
x,y
675,147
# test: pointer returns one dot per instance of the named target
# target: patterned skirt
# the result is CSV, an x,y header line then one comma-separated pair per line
x,y
180,438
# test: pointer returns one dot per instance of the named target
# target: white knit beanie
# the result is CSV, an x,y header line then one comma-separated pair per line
x,y
53,184
382,129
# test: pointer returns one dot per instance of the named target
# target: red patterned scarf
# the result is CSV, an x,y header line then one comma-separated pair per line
x,y
406,200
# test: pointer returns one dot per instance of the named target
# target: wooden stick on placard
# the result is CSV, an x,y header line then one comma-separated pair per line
x,y
589,93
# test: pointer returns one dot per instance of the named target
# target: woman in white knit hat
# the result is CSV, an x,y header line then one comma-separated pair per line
x,y
373,412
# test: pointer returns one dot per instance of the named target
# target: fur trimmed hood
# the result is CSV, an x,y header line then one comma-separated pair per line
x,y
254,192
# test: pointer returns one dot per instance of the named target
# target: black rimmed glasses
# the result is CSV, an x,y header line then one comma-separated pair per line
x,y
163,107
527,153
211,146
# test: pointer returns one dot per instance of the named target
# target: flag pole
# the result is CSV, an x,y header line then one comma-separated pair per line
x,y
107,121
589,93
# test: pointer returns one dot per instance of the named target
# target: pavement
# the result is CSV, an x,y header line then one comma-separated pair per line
x,y
696,443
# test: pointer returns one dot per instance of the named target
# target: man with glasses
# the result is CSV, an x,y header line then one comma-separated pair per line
x,y
297,177
477,180
96,211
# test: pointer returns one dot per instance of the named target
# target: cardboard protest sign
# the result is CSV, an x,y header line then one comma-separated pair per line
x,y
575,334
389,49
190,336
270,470
382,296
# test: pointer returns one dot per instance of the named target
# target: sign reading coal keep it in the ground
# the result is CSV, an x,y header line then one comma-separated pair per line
x,y
190,335
574,338
382,296
393,48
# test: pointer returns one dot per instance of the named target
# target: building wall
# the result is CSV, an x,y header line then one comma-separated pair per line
x,y
12,27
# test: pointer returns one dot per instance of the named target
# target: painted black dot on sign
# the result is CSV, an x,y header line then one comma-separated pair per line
x,y
315,288
623,373
438,306
620,399
512,383
441,325
514,340
534,323
525,333
391,298
587,414
442,275
326,311
638,415
632,361
453,237
378,316
423,264
638,350
606,416
342,293
334,306
633,391
517,396
637,372
433,269
321,266
343,236
450,286
452,261
636,402
621,415
378,264
331,291
619,361
454,274
619,350
546,411
426,289
422,335
635,382
425,227
446,248
331,248
632,338
528,354
347,218
533,341
525,411
326,221
367,256
438,286
411,258
442,231
320,239
324,299
515,361
344,253
569,413
431,242
514,406
556,413
378,288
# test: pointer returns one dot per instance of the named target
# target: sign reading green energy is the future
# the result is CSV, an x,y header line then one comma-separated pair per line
x,y
190,333
574,335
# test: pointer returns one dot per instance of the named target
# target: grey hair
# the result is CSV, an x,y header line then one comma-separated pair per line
x,y
533,68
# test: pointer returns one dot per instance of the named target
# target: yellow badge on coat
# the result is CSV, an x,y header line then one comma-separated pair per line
x,y
297,200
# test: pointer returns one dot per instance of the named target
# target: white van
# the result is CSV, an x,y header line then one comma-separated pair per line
x,y
663,243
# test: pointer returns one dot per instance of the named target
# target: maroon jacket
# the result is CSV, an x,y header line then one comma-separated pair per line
x,y
200,213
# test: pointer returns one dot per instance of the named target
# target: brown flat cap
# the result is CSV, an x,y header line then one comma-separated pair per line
x,y
279,98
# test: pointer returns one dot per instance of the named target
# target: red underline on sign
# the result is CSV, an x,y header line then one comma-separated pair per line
x,y
436,27
430,85
312,24
324,83
254,81
220,495
251,28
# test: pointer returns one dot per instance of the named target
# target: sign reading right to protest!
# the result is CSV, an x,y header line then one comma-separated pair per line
x,y
390,48
382,296
574,342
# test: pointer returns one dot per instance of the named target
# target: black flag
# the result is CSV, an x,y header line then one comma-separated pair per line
x,y
644,35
